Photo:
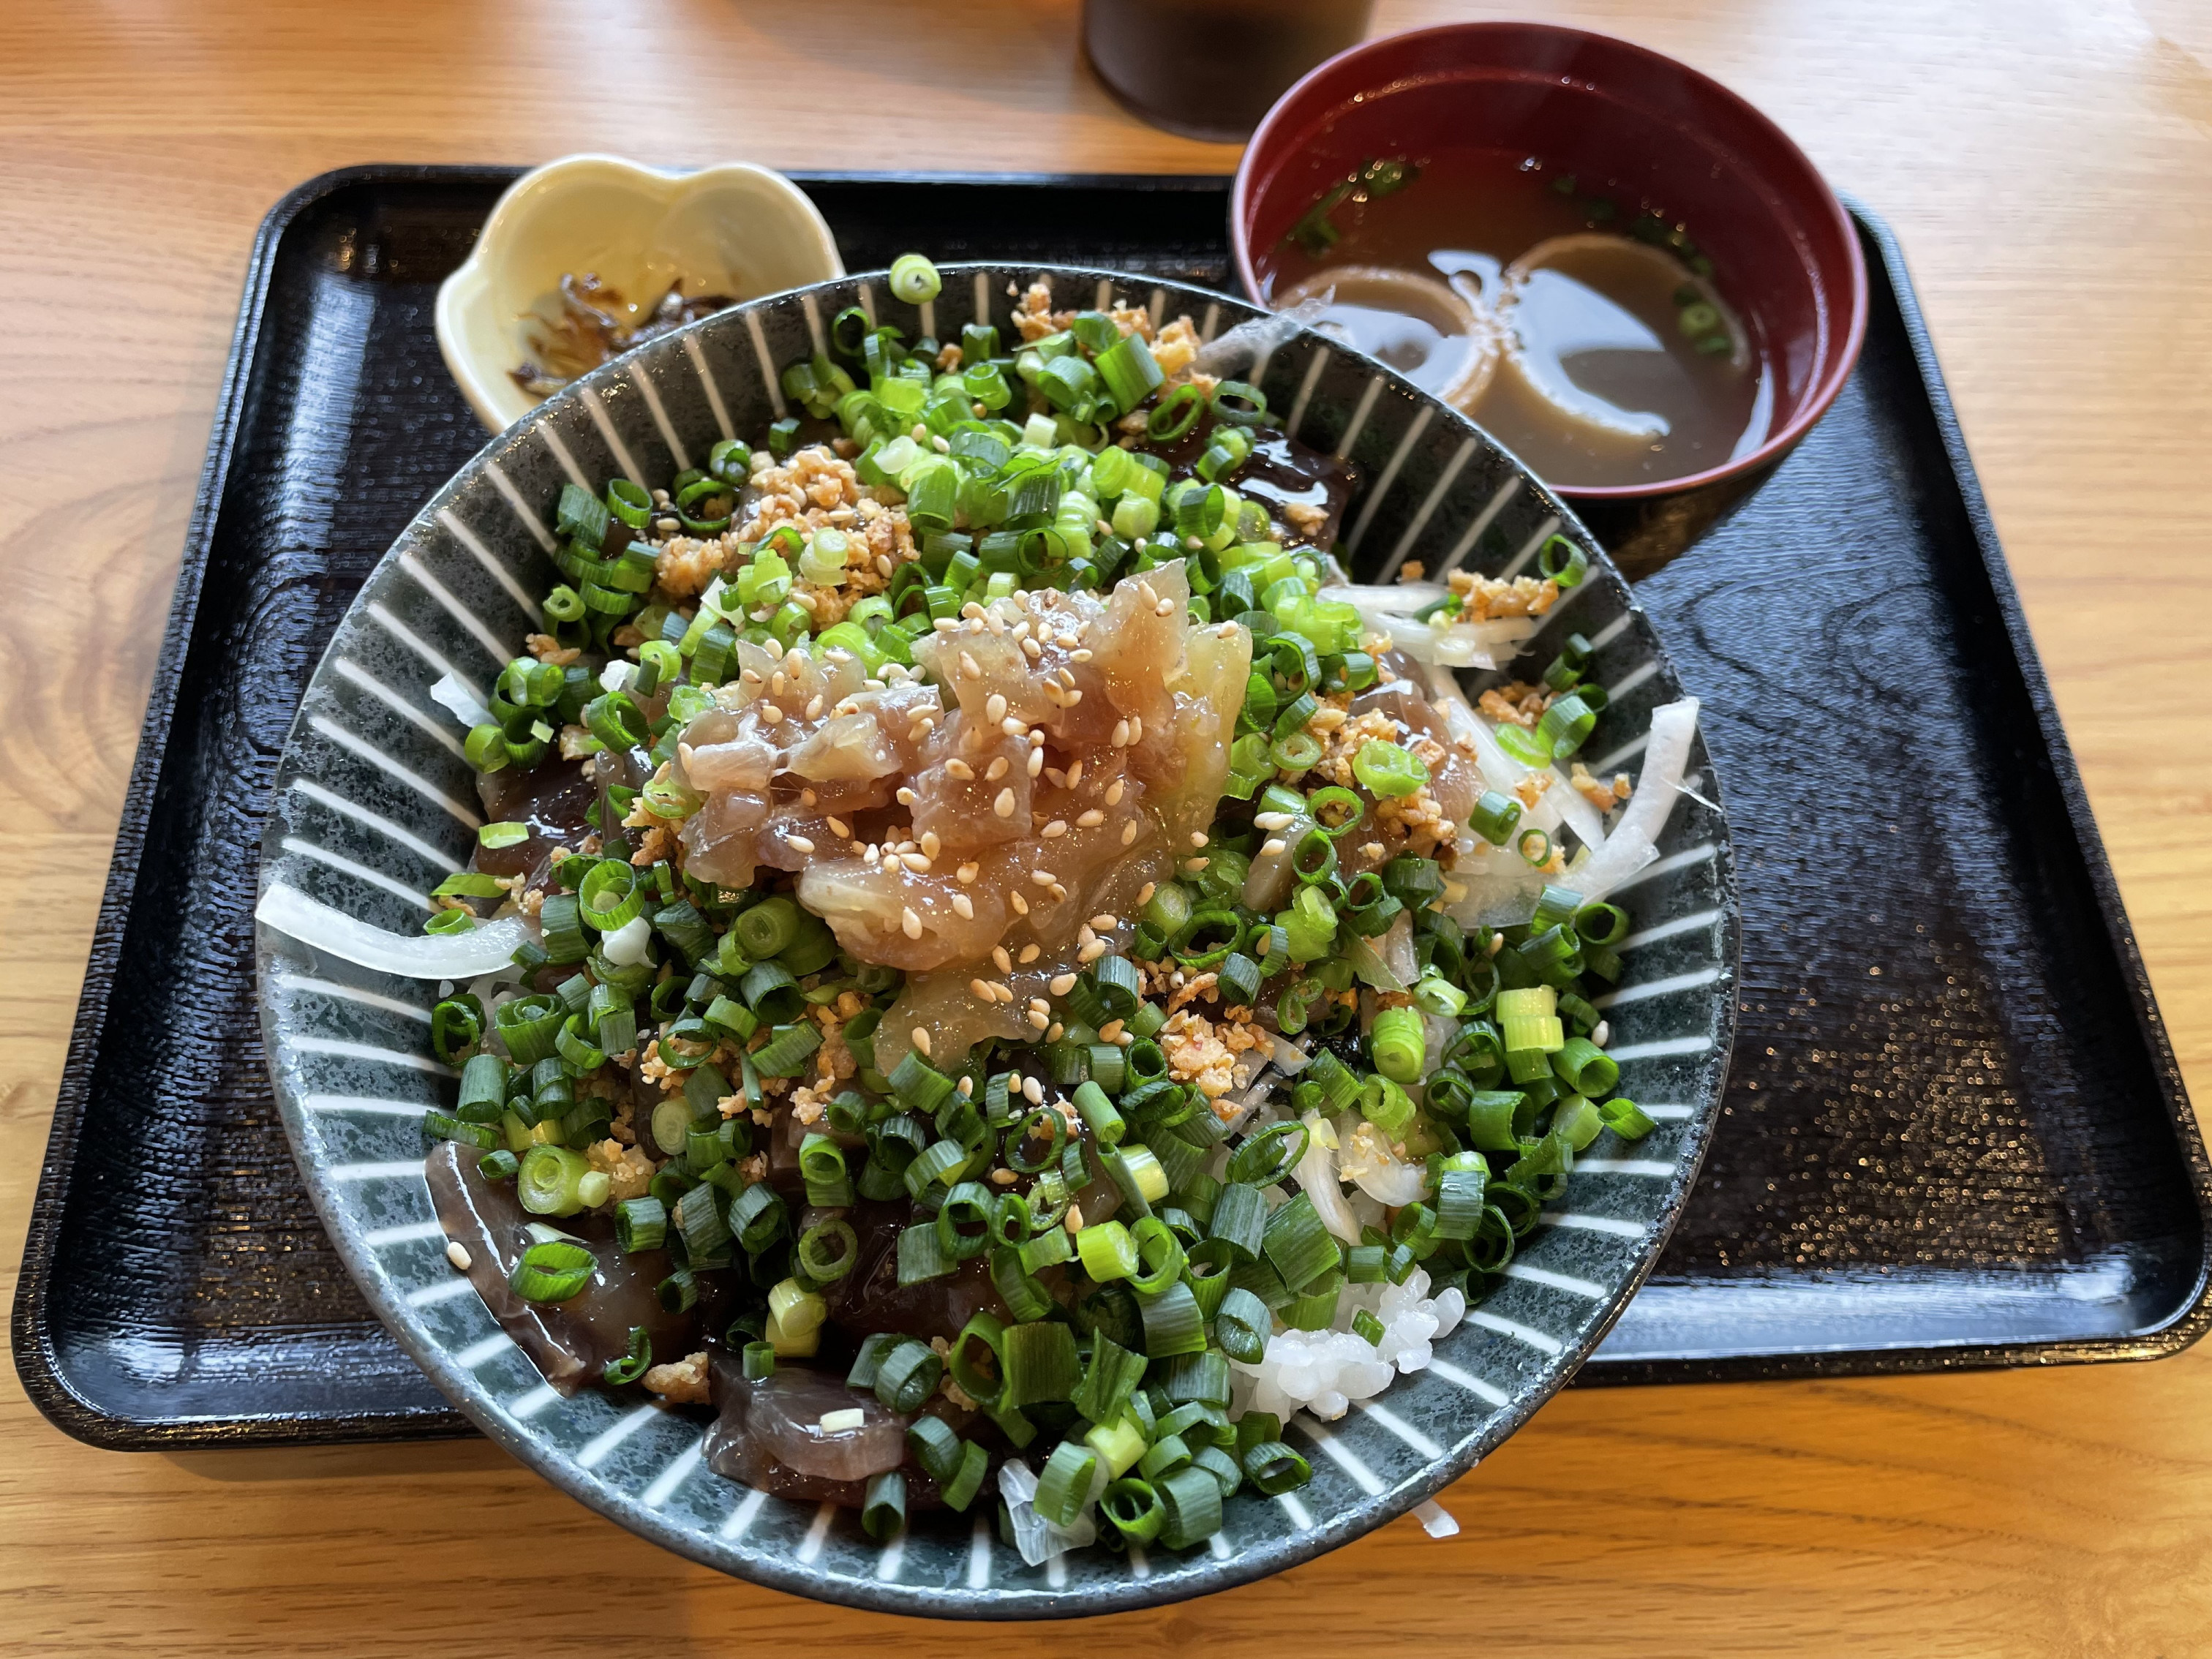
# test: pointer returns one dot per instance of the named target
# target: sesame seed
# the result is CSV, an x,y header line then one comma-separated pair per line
x,y
1129,832
769,714
909,923
981,991
1269,849
1062,984
1121,734
1057,1032
778,685
1041,878
1021,905
1136,728
1145,896
999,1177
1145,592
1105,924
1081,653
1040,1006
1191,543
1091,952
1075,775
965,874
1113,792
814,706
1198,838
1164,608
1003,806
917,862
1266,941
1039,1021
839,828
919,1035
1032,650
997,770
1195,864
994,706
1084,936
800,843
1014,727
945,625
459,1255
1090,819
1073,698
1036,761
921,432
905,796
884,564
942,446
1031,952
999,955
967,1087
963,907
960,769
1271,820
1073,1219
873,854
1054,830
1110,1029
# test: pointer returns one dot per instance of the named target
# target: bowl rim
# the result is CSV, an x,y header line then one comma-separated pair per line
x,y
467,283
1849,339
1371,1511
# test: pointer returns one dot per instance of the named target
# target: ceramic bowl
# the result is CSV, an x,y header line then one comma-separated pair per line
x,y
1785,255
375,805
735,229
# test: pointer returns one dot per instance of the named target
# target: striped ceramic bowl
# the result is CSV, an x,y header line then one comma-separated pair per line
x,y
375,805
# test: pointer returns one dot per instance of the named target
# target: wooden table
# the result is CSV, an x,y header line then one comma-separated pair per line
x,y
2045,164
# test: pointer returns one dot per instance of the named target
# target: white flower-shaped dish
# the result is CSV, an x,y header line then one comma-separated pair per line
x,y
735,229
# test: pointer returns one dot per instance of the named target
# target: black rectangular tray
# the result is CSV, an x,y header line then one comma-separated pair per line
x,y
1953,1135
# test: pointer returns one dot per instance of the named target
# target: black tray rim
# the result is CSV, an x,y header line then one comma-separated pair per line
x,y
37,1361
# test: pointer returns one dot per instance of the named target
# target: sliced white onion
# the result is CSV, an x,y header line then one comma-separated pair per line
x,y
629,943
1316,1173
1366,1160
1290,1057
449,694
483,949
1635,839
1557,805
617,675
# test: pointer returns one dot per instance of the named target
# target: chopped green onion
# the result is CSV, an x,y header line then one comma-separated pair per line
x,y
1108,1251
620,1373
1398,1041
553,1269
1065,1486
1191,1500
882,1507
1388,771
914,279
1625,1119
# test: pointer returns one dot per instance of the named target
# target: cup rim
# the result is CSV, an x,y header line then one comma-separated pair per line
x,y
1841,359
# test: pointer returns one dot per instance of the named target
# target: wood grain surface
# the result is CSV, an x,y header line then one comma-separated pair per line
x,y
2046,164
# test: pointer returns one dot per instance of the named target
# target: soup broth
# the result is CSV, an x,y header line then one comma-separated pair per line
x,y
1620,363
